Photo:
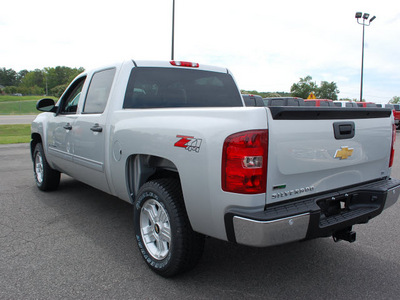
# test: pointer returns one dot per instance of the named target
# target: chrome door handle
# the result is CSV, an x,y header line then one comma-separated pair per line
x,y
96,128
67,126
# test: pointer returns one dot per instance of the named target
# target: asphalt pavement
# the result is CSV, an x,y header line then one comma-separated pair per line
x,y
78,243
16,119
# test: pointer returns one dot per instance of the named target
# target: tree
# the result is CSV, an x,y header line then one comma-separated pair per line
x,y
37,81
8,77
33,78
21,75
395,100
60,75
327,91
304,87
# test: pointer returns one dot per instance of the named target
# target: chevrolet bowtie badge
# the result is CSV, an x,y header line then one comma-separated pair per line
x,y
344,153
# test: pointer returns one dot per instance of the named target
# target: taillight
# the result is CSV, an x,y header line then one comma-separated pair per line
x,y
184,64
392,147
244,162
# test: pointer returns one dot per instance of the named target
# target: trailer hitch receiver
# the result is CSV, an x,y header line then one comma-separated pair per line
x,y
345,234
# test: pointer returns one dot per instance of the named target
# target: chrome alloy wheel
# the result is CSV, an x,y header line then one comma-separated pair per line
x,y
155,229
39,173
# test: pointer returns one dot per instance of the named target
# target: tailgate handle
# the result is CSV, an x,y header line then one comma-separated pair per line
x,y
344,130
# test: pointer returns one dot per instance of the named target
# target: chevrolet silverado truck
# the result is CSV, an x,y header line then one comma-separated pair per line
x,y
176,141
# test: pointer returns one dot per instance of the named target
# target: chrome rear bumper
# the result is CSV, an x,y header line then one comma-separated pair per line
x,y
267,233
312,217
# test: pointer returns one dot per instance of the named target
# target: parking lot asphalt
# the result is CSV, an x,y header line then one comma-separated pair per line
x,y
16,119
78,243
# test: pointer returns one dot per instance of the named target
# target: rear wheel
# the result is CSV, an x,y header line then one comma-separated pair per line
x,y
46,178
165,238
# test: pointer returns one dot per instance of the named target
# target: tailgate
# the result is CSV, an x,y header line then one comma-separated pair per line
x,y
314,150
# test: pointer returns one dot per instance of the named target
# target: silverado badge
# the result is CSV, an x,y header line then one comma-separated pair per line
x,y
344,153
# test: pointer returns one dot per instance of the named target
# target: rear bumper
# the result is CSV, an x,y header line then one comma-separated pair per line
x,y
312,217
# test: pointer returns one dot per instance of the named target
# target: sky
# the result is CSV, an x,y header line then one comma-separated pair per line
x,y
267,45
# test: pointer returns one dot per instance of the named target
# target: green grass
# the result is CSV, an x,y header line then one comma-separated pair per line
x,y
9,98
13,134
27,107
19,105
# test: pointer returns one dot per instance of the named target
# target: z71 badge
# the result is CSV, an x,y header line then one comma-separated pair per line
x,y
190,143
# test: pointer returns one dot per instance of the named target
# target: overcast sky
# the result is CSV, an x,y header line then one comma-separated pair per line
x,y
268,45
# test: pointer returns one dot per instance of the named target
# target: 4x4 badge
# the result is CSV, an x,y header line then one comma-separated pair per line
x,y
190,143
344,153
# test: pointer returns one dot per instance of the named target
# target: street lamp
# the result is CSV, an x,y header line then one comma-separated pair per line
x,y
365,22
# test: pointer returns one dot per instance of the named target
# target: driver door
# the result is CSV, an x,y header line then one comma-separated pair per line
x,y
60,128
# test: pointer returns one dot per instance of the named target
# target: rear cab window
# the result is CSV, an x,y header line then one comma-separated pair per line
x,y
151,87
277,102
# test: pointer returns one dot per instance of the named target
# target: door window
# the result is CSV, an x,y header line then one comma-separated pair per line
x,y
98,92
69,101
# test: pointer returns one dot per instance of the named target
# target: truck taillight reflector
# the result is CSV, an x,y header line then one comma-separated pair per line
x,y
392,148
244,162
184,64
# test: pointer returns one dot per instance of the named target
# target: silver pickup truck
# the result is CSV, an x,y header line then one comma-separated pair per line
x,y
176,140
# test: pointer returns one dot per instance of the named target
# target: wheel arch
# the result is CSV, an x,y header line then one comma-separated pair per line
x,y
35,139
141,168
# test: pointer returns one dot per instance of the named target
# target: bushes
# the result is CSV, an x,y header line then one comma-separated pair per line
x,y
32,90
58,90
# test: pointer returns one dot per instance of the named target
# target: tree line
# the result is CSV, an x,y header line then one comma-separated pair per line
x,y
47,81
53,82
305,86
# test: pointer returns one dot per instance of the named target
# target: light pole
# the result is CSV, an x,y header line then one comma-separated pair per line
x,y
173,28
365,22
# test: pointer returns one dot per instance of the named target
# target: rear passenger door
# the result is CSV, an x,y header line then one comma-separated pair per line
x,y
90,131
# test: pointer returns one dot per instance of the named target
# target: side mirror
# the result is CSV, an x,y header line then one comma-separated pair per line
x,y
46,105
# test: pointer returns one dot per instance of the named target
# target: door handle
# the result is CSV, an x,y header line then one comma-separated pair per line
x,y
96,128
67,126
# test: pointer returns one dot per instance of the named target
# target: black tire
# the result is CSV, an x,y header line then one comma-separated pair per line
x,y
164,235
46,178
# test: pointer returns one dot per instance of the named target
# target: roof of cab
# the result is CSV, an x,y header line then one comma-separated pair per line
x,y
167,64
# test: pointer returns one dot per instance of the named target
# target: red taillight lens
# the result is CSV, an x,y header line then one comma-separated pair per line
x,y
244,162
392,148
184,64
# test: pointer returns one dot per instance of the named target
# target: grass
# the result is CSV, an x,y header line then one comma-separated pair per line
x,y
14,134
9,98
18,108
19,105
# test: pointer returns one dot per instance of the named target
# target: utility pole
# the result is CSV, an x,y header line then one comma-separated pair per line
x,y
173,28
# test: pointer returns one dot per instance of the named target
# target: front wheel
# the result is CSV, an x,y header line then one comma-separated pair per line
x,y
46,178
165,238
